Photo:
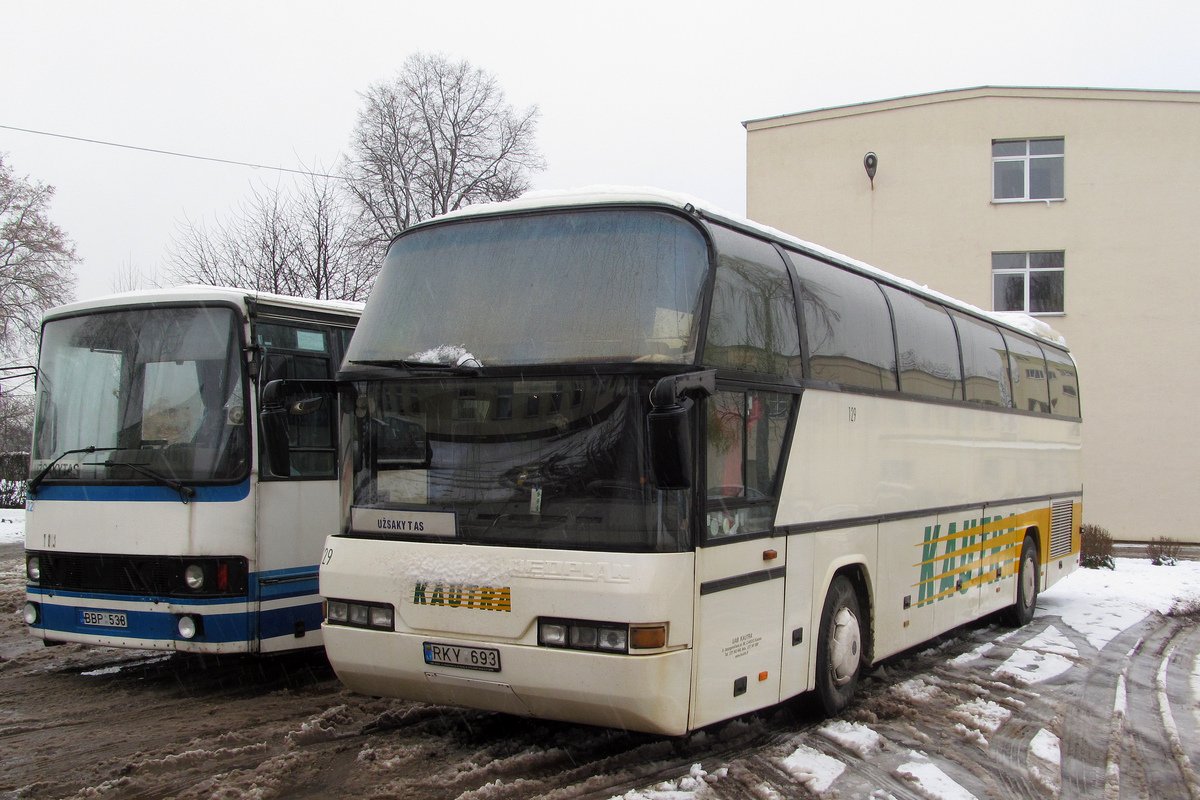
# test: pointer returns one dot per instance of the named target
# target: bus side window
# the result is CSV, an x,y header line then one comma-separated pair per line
x,y
745,431
929,364
1030,392
847,326
983,356
752,323
1064,384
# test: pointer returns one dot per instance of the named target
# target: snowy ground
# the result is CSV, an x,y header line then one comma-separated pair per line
x,y
1096,698
12,525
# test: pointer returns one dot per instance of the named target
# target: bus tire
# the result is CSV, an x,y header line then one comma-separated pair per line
x,y
1021,612
839,647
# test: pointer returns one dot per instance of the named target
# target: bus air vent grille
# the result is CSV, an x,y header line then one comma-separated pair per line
x,y
1061,523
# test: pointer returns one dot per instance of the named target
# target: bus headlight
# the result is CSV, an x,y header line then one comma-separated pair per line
x,y
380,616
337,612
607,637
190,626
32,614
33,568
193,576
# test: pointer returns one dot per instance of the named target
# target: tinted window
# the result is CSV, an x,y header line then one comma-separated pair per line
x,y
587,285
1064,383
984,362
752,321
927,345
745,438
846,326
1028,374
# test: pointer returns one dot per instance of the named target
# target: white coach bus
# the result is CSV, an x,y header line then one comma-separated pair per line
x,y
616,459
152,519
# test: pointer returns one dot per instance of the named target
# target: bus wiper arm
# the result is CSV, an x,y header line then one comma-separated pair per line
x,y
185,492
36,480
422,366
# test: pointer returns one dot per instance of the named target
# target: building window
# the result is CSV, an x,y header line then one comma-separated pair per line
x,y
1027,169
1030,282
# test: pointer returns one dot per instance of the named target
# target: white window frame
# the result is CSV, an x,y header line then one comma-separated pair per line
x,y
1026,159
1027,272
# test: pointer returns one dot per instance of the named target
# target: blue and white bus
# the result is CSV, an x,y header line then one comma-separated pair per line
x,y
153,521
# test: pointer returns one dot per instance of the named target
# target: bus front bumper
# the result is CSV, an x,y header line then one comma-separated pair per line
x,y
647,693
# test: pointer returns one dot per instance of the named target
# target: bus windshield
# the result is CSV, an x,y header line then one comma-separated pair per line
x,y
573,286
556,462
157,391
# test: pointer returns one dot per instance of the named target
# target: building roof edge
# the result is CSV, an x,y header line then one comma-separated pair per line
x,y
973,93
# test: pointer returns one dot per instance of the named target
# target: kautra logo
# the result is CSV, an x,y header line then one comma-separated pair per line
x,y
977,551
482,598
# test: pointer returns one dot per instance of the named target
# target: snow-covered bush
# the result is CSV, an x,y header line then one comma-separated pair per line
x,y
1095,547
1164,551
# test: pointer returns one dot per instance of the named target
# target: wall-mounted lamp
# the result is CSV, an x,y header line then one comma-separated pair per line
x,y
870,164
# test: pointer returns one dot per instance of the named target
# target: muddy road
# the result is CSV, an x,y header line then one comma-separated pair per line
x,y
986,713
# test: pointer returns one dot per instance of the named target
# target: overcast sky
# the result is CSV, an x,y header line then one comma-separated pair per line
x,y
641,93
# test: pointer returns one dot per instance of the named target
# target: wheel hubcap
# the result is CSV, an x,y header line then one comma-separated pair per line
x,y
1028,578
844,645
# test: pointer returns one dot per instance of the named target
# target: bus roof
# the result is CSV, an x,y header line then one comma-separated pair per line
x,y
645,195
202,294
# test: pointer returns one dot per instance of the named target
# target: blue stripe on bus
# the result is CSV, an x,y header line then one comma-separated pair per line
x,y
153,625
146,494
282,621
239,626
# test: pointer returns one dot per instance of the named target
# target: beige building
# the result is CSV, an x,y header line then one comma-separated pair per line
x,y
1081,206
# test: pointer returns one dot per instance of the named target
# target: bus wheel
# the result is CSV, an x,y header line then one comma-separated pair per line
x,y
839,647
1021,612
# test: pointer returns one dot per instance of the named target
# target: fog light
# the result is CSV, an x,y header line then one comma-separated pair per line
x,y
337,611
194,576
552,634
613,639
32,614
381,617
189,626
584,636
33,568
358,614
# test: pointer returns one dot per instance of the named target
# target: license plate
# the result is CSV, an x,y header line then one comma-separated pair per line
x,y
104,619
454,655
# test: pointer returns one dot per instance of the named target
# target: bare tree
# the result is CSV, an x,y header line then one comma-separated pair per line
x,y
301,243
437,137
37,262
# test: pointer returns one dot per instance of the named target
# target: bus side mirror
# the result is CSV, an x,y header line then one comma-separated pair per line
x,y
669,432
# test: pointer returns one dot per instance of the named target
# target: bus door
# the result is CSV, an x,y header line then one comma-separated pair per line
x,y
298,502
740,564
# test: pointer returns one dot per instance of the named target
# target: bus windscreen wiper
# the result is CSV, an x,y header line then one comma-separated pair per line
x,y
185,492
423,366
36,480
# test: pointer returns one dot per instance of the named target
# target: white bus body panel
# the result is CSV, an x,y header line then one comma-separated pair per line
x,y
862,457
644,692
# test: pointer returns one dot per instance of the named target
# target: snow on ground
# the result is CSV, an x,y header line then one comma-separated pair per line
x,y
12,525
1100,603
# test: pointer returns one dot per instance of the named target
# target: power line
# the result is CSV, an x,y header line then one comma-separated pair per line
x,y
171,153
